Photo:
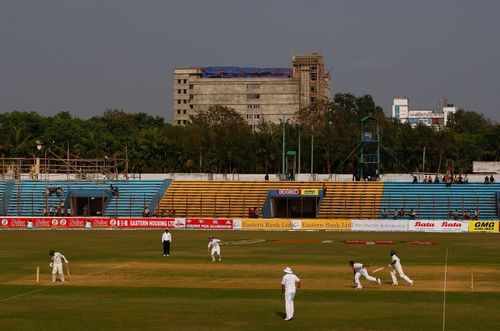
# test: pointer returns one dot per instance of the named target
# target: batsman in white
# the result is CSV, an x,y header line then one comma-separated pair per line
x,y
290,284
56,259
214,248
359,270
397,268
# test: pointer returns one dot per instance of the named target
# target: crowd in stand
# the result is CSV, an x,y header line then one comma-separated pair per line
x,y
412,214
450,179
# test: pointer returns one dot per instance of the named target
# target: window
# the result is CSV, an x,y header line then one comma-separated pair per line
x,y
191,86
253,96
185,91
184,101
396,112
313,89
179,91
185,81
184,111
190,106
253,86
253,106
178,111
178,102
178,121
178,81
312,99
184,122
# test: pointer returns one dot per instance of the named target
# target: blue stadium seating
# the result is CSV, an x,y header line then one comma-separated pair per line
x,y
434,201
28,198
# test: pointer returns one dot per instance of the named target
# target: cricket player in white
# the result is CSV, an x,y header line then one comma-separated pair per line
x,y
397,268
360,270
290,284
214,248
56,259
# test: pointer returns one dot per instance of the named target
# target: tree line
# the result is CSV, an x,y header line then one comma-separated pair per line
x,y
220,141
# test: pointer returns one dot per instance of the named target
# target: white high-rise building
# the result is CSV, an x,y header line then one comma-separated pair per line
x,y
401,111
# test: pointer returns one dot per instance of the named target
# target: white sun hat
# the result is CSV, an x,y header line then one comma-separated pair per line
x,y
288,270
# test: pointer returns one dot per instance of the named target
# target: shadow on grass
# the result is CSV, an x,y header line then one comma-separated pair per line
x,y
280,314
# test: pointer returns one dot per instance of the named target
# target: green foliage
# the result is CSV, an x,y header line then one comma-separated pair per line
x,y
219,140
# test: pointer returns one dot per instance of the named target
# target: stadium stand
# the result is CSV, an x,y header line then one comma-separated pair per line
x,y
435,201
234,198
29,198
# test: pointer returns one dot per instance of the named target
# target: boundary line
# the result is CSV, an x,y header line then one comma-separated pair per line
x,y
58,284
444,288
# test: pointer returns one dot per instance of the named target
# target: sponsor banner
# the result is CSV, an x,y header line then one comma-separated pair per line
x,y
86,223
370,242
437,226
288,191
483,226
209,224
310,192
262,224
322,224
380,225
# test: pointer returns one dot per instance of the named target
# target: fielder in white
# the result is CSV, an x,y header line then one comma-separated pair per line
x,y
359,270
214,248
290,284
56,259
397,268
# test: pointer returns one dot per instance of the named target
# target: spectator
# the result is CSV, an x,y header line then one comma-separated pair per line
x,y
413,214
460,179
85,210
492,179
266,177
476,214
401,213
486,180
114,190
58,191
45,211
415,179
52,210
384,214
436,179
466,179
455,215
145,212
395,214
450,213
467,215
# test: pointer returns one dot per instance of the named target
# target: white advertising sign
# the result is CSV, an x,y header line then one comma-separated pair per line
x,y
438,226
380,225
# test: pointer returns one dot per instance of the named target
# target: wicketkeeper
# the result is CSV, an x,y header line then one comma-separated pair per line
x,y
56,259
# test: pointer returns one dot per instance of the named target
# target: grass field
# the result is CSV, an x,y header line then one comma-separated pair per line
x,y
120,281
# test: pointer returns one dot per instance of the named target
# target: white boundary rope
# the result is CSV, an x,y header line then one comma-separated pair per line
x,y
444,288
58,284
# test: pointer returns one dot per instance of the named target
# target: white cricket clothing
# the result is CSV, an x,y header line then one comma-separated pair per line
x,y
289,281
215,252
360,270
398,268
57,266
166,237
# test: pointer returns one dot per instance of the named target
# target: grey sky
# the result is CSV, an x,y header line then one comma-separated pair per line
x,y
86,56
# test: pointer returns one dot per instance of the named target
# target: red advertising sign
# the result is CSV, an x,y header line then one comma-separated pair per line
x,y
210,224
86,223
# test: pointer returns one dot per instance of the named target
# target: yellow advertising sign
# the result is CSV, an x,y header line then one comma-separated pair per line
x,y
483,226
322,224
262,224
313,192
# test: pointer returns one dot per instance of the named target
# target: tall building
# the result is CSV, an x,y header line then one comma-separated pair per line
x,y
270,94
401,111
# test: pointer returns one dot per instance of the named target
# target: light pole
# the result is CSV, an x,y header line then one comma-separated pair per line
x,y
283,151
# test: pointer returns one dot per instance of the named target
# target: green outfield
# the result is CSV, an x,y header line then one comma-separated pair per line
x,y
119,280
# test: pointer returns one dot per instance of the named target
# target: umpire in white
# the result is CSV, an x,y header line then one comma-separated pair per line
x,y
166,239
290,285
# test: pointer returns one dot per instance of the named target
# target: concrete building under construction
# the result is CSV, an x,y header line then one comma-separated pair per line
x,y
258,94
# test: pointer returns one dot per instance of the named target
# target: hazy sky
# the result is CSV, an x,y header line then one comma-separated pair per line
x,y
88,55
